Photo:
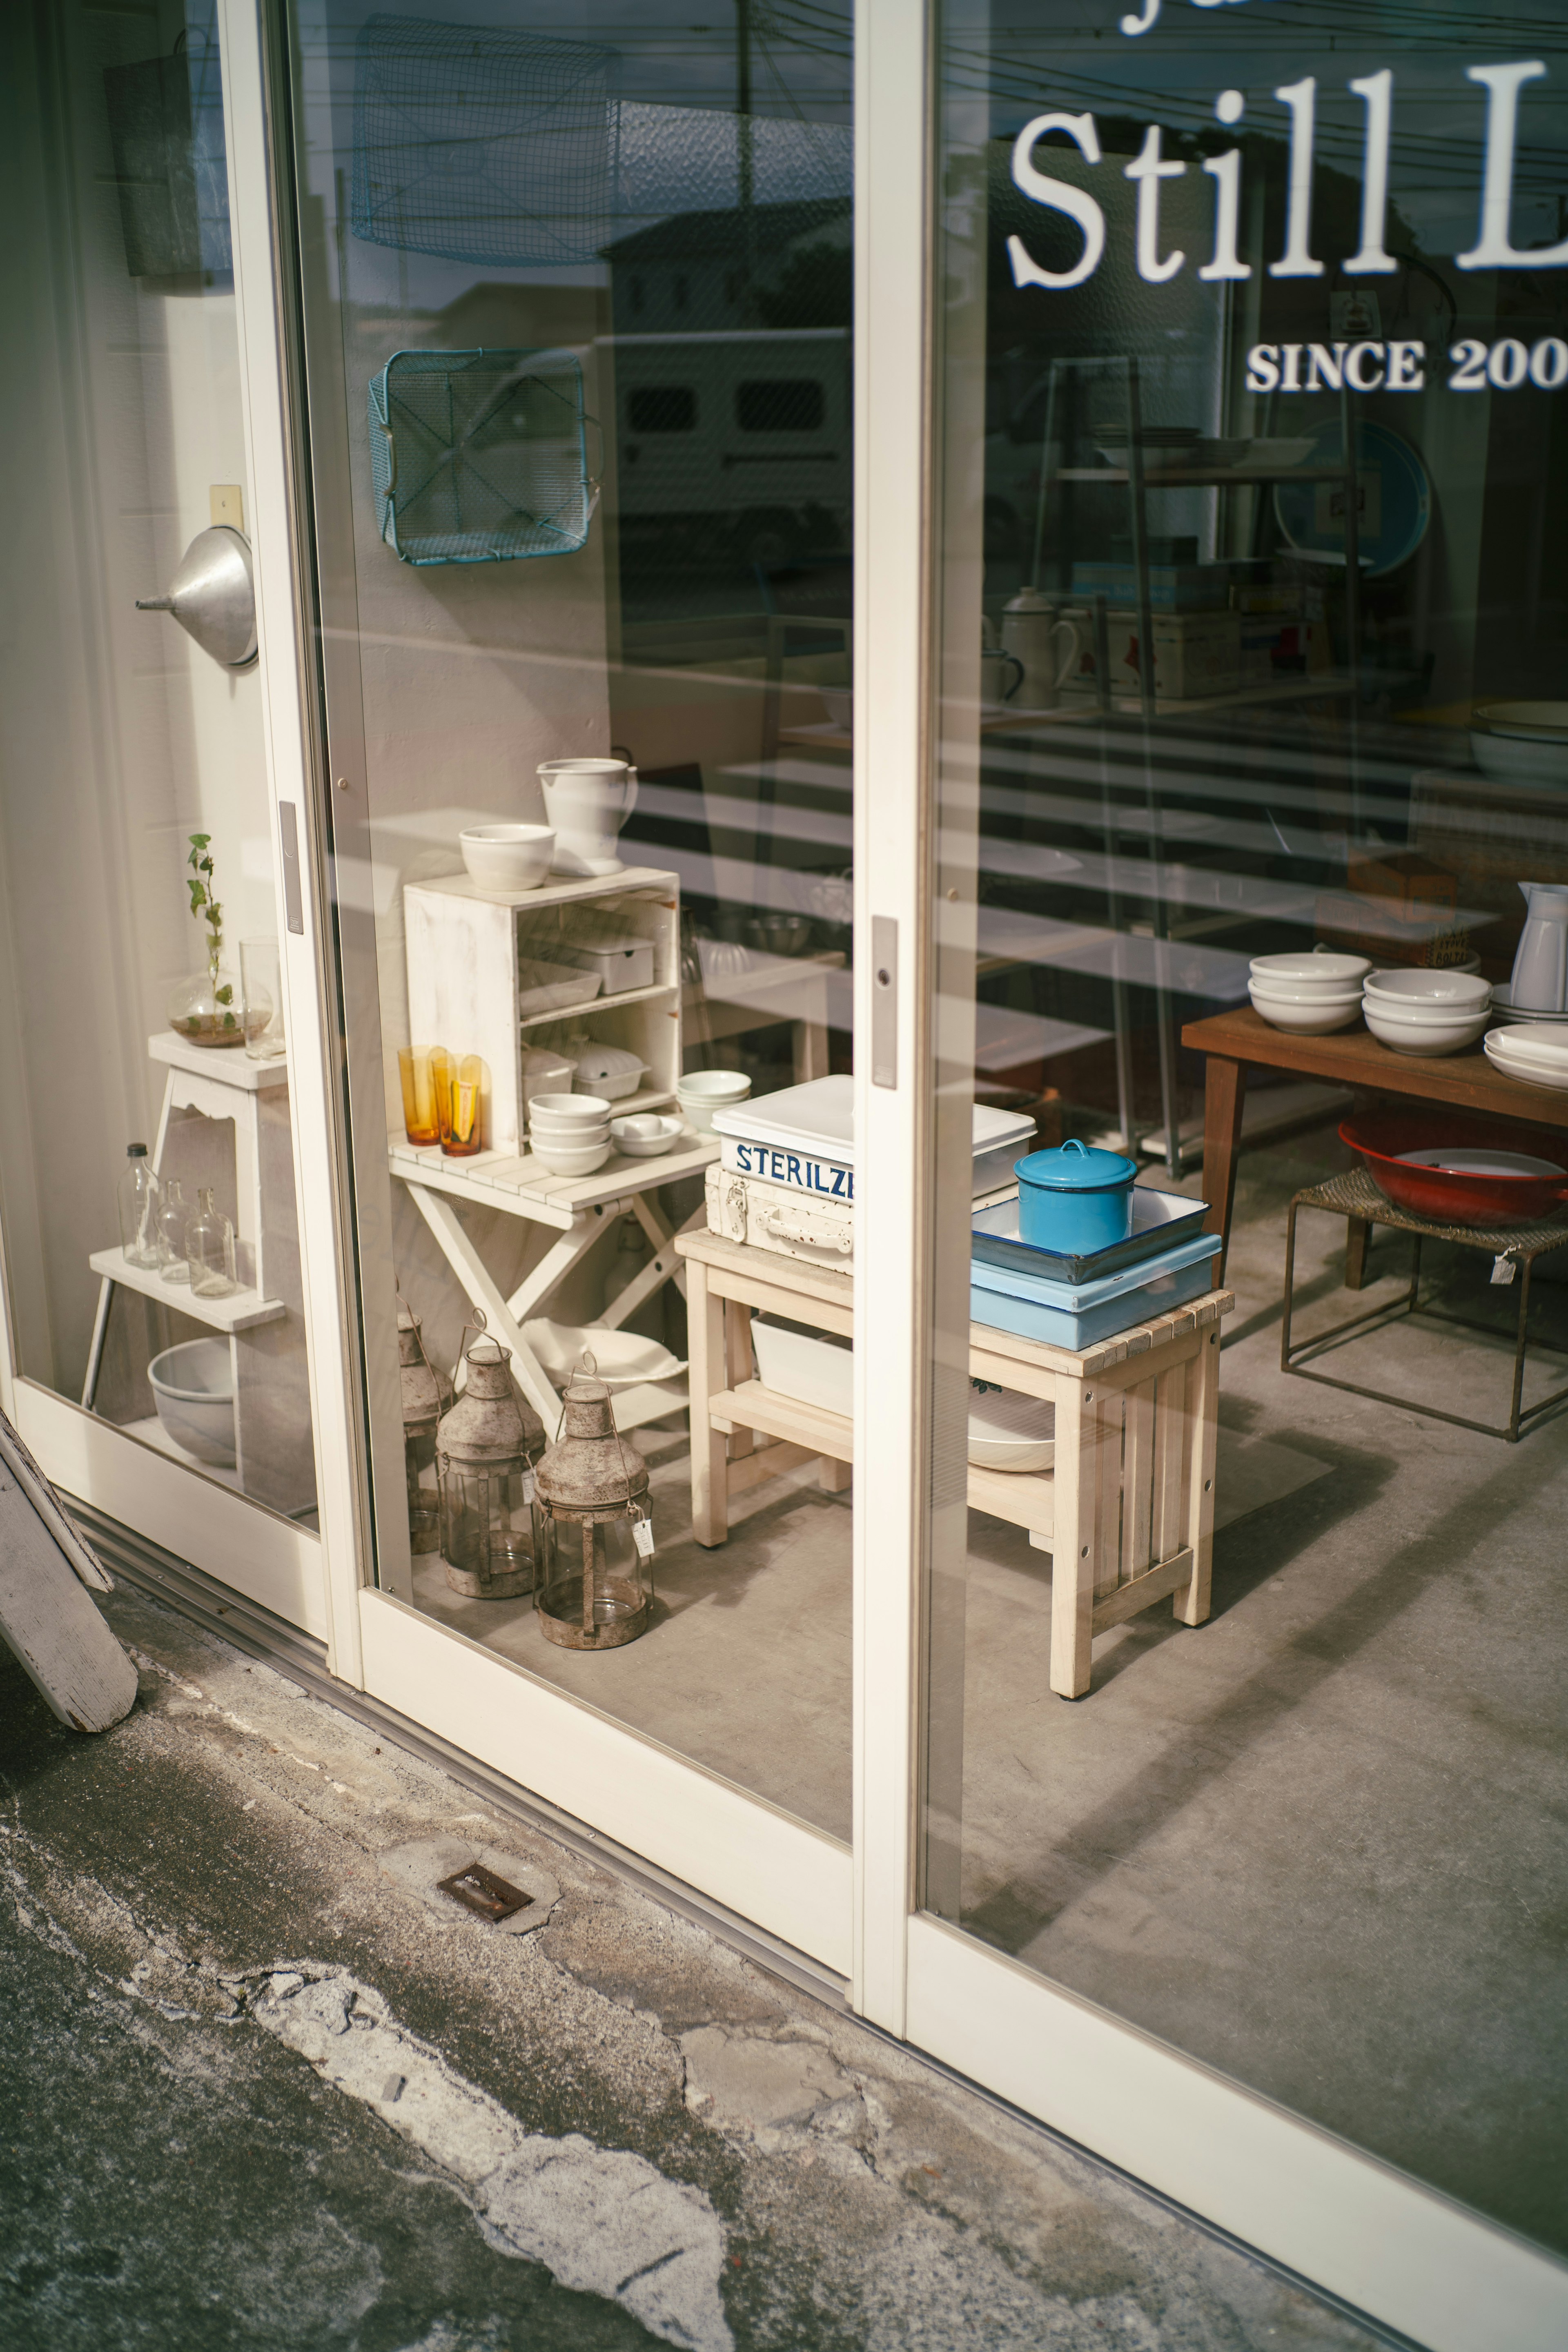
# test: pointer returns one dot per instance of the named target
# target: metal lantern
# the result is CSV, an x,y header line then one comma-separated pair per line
x,y
425,1394
592,1532
486,1448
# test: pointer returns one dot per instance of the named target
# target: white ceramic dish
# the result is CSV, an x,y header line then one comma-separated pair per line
x,y
1539,1041
702,1092
1521,759
1530,723
1480,1163
812,1367
192,1393
567,1160
622,1359
1407,1032
1313,1017
570,1138
1282,992
564,1110
1418,989
646,1136
1503,1006
1322,973
553,987
1514,1064
1007,1431
611,1071
507,857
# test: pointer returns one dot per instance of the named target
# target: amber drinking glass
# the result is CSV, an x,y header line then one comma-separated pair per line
x,y
461,1104
424,1071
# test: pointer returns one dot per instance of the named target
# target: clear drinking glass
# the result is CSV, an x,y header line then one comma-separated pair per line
x,y
172,1218
261,1000
209,1249
139,1204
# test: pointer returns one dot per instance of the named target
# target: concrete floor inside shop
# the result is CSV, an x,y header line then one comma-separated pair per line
x,y
1316,1842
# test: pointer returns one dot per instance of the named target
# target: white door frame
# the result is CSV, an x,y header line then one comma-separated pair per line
x,y
1406,2254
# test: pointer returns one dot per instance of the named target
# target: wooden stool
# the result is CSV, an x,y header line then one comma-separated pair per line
x,y
1128,1512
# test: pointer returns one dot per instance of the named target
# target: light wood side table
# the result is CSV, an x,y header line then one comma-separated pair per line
x,y
1128,1512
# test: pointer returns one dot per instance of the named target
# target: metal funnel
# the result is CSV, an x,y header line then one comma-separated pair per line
x,y
213,596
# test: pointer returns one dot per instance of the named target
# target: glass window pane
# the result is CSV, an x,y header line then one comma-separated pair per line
x,y
1254,879
578,343
147,1165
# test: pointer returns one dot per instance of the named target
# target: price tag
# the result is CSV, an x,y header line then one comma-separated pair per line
x,y
642,1536
528,1486
1504,1269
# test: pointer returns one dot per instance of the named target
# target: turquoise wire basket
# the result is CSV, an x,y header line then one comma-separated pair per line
x,y
480,456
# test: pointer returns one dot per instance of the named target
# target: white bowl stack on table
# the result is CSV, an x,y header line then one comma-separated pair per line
x,y
1311,994
701,1093
1536,1053
1422,1011
569,1134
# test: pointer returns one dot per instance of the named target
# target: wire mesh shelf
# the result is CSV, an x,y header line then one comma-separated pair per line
x,y
480,456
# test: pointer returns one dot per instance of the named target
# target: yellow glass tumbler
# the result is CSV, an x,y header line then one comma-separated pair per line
x,y
426,1073
462,1103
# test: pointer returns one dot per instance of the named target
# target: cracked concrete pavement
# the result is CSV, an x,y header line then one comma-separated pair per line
x,y
268,2088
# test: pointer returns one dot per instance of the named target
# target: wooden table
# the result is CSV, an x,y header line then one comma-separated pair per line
x,y
1127,1514
1349,1058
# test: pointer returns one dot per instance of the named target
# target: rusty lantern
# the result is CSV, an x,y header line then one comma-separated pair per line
x,y
486,1448
425,1395
592,1533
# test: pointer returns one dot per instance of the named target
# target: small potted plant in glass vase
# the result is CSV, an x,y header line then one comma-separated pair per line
x,y
205,1009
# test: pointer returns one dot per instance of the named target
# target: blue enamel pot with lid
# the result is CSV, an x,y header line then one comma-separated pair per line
x,y
1076,1199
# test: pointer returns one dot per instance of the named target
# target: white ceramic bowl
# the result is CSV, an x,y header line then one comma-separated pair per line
x,y
571,1159
569,1138
1312,1016
1419,990
1408,1033
702,1092
646,1136
1281,992
568,1110
1320,973
192,1391
507,857
1530,1070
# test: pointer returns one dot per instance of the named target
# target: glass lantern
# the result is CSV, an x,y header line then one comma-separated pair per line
x,y
425,1396
486,1447
592,1532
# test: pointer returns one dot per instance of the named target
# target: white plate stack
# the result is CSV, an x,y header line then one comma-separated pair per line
x,y
1535,1052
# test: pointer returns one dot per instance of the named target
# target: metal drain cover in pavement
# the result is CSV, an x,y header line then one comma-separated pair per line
x,y
479,1889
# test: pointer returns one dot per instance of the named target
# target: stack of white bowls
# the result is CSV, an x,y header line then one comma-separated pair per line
x,y
1424,1012
702,1092
1535,1051
1309,993
569,1134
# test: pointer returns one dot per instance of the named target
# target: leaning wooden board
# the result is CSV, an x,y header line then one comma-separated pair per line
x,y
47,1613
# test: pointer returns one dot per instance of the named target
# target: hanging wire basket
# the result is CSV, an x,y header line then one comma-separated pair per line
x,y
480,456
482,144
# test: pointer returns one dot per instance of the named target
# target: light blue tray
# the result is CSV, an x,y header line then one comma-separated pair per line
x,y
1067,1316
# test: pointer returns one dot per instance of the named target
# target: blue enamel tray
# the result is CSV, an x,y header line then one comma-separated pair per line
x,y
1065,1318
1160,1220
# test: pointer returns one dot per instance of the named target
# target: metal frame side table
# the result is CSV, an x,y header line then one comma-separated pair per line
x,y
1355,1196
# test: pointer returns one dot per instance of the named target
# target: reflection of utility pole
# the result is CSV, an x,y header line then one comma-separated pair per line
x,y
746,152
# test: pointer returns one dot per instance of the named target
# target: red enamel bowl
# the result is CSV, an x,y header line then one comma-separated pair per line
x,y
1453,1197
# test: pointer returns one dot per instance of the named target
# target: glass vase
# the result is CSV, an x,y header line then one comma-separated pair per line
x,y
140,1200
209,1249
261,1000
205,1010
173,1216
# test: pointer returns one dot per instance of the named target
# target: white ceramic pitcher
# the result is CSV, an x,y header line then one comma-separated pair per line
x,y
1540,981
1031,625
587,802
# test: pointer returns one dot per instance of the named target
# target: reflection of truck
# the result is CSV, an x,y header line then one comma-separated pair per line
x,y
739,440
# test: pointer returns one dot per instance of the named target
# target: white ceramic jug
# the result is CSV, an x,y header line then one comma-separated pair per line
x,y
1540,968
587,802
1031,625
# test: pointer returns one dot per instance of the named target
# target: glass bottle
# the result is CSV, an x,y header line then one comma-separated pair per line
x,y
173,1215
139,1204
209,1249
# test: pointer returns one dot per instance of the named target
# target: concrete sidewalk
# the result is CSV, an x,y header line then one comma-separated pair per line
x,y
264,2087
